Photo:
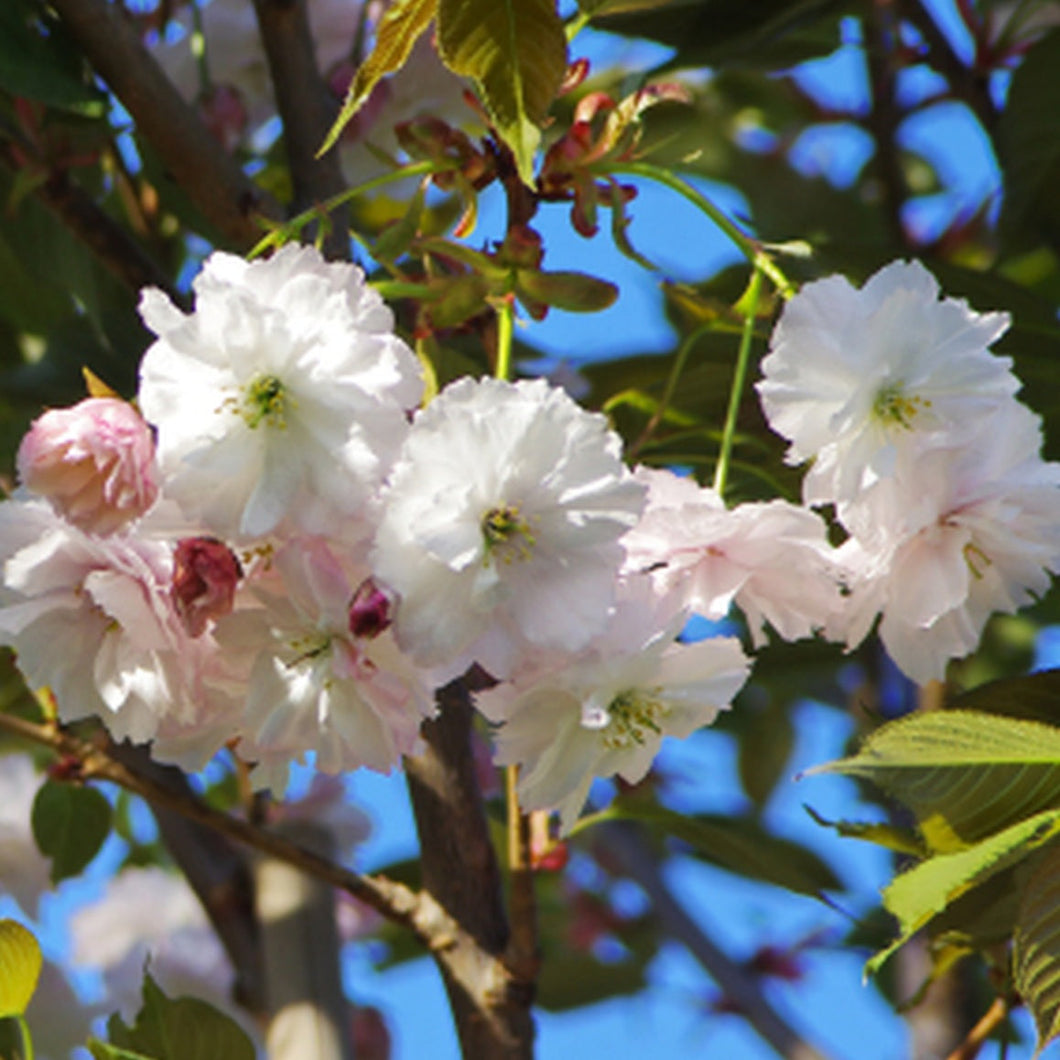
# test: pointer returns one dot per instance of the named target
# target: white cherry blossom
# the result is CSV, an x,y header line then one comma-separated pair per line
x,y
281,399
855,376
501,525
605,710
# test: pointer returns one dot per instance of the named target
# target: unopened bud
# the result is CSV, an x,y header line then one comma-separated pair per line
x,y
205,575
369,610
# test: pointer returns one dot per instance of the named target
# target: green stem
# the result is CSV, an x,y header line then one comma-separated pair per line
x,y
750,248
671,385
505,334
26,1050
750,300
298,222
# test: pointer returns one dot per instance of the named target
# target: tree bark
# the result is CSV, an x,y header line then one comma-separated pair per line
x,y
490,993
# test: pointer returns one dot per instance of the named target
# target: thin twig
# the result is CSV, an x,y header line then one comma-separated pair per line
x,y
967,83
227,198
640,863
993,1018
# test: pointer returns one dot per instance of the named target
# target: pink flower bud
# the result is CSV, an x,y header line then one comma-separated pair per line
x,y
93,461
205,574
369,610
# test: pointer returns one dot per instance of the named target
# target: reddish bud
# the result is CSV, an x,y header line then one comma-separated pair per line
x,y
369,610
205,574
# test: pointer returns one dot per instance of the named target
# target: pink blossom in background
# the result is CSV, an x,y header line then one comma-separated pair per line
x,y
772,559
94,462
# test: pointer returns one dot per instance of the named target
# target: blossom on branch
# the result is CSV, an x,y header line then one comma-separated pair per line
x,y
95,462
565,719
854,377
313,683
772,559
282,399
501,525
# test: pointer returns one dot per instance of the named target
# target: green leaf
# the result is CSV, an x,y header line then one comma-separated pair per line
x,y
396,238
43,67
20,964
964,775
184,1028
884,835
106,1051
516,53
738,845
1028,141
573,291
765,749
1036,947
917,896
402,24
70,824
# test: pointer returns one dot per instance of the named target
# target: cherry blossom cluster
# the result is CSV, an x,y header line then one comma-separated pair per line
x,y
931,464
284,549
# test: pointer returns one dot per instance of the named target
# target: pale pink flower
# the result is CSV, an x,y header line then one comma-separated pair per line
x,y
854,377
605,710
94,462
315,686
281,402
955,536
501,525
772,559
125,656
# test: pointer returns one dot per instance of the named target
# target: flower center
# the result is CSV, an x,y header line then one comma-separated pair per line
x,y
506,533
264,399
309,646
894,406
633,713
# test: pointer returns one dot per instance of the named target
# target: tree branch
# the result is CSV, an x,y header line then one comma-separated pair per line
x,y
489,992
115,247
966,82
639,862
306,108
212,179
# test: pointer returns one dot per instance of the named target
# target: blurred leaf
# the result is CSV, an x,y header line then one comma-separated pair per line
x,y
1028,145
1034,697
900,840
20,965
516,52
1036,947
180,1029
402,24
70,824
42,66
738,845
964,775
765,750
396,238
916,896
772,34
573,291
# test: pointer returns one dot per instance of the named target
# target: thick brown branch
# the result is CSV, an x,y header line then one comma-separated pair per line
x,y
490,996
212,179
306,108
744,990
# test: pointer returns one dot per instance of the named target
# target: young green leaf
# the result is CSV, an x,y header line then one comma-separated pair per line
x,y
184,1028
20,964
1036,947
403,23
964,775
70,824
516,53
926,890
